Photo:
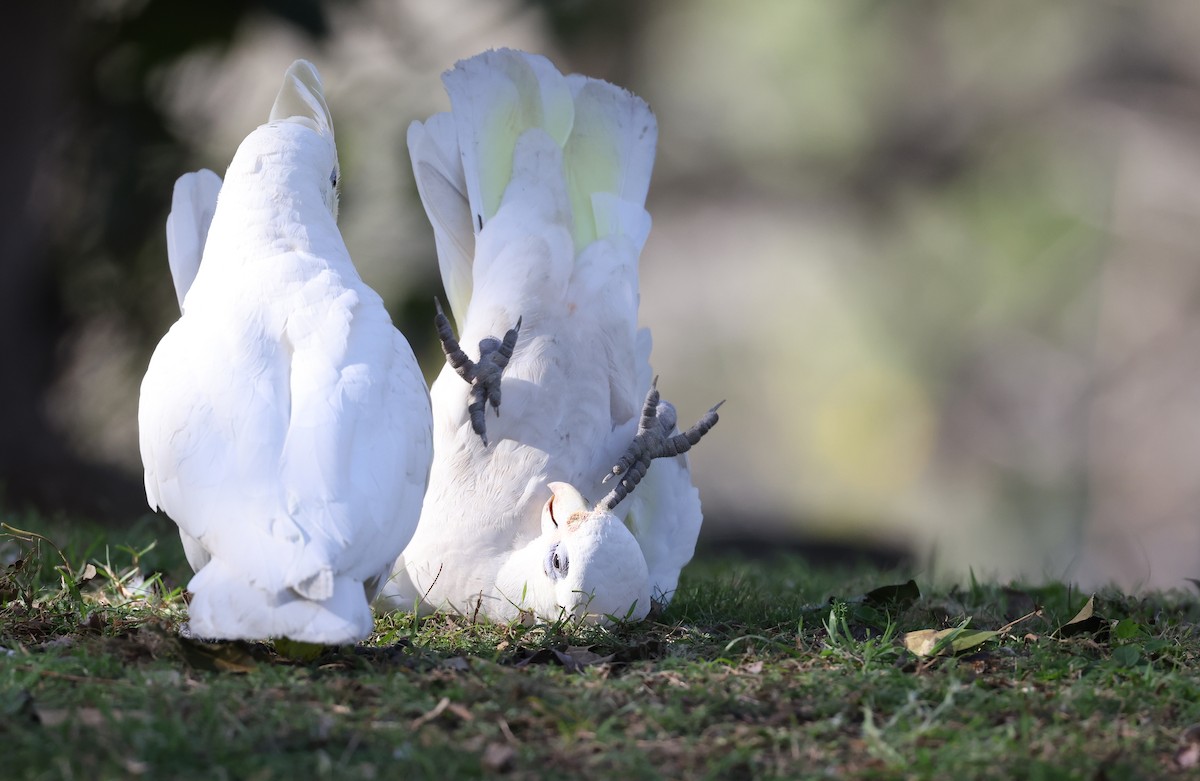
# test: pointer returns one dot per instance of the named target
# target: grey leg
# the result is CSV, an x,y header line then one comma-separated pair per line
x,y
483,375
653,440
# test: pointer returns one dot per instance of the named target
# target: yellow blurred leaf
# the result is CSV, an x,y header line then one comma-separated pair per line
x,y
945,642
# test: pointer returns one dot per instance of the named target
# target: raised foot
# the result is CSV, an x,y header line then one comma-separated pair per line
x,y
483,375
653,440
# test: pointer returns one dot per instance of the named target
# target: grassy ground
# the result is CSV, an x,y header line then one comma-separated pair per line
x,y
770,668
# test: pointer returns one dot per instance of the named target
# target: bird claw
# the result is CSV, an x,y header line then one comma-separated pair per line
x,y
483,375
653,440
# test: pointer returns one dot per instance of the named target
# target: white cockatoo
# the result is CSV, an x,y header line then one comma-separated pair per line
x,y
284,423
535,184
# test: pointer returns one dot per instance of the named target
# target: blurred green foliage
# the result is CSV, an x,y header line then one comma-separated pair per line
x,y
938,255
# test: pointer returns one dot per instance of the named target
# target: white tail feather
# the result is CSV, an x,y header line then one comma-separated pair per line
x,y
496,96
610,151
464,161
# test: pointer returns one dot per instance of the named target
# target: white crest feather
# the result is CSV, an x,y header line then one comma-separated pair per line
x,y
302,97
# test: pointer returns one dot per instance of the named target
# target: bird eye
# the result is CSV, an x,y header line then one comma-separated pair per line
x,y
333,177
556,562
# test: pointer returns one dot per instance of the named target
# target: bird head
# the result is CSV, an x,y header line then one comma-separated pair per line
x,y
297,139
591,565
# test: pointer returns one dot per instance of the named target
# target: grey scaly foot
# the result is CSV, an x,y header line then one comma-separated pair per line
x,y
483,375
653,440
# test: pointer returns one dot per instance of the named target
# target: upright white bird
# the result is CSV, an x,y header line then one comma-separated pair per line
x,y
535,184
284,423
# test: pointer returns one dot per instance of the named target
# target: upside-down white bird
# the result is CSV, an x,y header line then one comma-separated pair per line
x,y
535,184
284,423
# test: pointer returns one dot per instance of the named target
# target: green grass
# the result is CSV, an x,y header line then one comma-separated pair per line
x,y
759,669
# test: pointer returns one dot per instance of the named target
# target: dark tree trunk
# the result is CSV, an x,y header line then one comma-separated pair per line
x,y
37,468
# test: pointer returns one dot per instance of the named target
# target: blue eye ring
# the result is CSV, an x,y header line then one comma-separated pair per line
x,y
557,563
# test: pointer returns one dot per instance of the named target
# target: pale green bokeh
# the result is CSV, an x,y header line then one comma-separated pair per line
x,y
938,256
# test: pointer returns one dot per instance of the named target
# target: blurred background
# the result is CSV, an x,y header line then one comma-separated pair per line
x,y
942,258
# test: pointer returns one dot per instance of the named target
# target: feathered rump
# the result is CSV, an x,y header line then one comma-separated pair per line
x,y
226,604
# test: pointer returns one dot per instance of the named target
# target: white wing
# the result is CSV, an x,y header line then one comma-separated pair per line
x,y
438,170
193,203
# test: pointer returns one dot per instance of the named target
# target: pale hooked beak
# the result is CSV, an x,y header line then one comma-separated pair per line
x,y
564,504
